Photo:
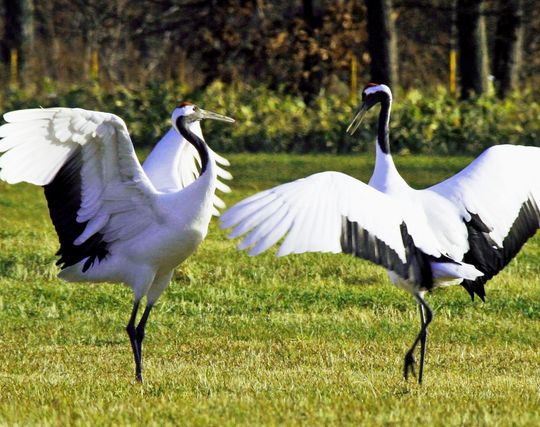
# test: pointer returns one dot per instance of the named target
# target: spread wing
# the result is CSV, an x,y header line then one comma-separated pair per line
x,y
333,212
498,196
96,189
174,164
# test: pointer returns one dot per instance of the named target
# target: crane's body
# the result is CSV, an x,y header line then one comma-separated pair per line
x,y
160,247
461,231
116,220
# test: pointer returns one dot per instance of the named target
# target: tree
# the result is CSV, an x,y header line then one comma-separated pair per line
x,y
507,46
311,76
382,42
472,45
19,33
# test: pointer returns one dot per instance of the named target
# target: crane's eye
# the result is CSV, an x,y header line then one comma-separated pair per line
x,y
196,109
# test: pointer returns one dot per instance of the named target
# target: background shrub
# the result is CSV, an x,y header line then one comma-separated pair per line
x,y
276,121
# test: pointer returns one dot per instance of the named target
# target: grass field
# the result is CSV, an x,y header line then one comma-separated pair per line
x,y
302,340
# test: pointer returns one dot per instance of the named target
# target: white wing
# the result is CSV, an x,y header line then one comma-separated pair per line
x,y
174,163
498,196
495,187
86,161
315,214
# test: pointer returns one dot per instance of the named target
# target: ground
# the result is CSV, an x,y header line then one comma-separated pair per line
x,y
302,340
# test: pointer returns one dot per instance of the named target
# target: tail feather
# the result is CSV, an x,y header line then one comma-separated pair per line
x,y
454,270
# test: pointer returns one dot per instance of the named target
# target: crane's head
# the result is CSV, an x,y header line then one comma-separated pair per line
x,y
187,113
372,94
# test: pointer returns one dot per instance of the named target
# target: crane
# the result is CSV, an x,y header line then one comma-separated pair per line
x,y
118,221
461,231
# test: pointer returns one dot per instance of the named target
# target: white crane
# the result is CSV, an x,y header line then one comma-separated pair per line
x,y
462,230
118,221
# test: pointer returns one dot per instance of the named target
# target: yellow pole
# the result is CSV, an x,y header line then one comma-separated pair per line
x,y
354,78
94,65
14,66
452,78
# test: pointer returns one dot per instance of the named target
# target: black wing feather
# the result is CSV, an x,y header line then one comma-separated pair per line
x,y
489,258
63,195
417,269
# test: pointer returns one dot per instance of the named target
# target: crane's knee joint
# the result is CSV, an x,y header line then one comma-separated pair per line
x,y
131,331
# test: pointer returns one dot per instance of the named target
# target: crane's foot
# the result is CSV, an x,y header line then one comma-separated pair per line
x,y
139,378
409,365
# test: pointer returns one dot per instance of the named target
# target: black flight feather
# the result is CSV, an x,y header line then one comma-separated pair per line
x,y
489,258
63,195
417,269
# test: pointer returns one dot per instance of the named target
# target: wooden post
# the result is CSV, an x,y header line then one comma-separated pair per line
x,y
354,78
452,63
94,65
14,67
452,86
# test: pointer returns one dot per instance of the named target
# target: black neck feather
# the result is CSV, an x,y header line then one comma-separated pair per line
x,y
383,133
182,124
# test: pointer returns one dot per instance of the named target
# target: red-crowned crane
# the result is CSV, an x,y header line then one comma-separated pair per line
x,y
118,221
462,230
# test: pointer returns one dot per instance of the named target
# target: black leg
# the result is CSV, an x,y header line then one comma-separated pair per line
x,y
409,364
426,315
423,341
132,333
140,337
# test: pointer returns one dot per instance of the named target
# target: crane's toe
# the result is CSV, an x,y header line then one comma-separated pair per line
x,y
409,365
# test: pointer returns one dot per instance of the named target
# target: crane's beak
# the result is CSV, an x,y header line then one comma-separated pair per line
x,y
215,116
355,123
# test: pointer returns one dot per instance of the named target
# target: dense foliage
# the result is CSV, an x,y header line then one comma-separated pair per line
x,y
275,121
306,45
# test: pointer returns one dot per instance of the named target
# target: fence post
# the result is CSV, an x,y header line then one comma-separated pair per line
x,y
94,65
14,67
452,86
452,77
354,78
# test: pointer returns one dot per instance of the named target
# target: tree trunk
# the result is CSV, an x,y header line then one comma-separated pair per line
x,y
19,32
312,74
382,42
473,62
309,16
508,46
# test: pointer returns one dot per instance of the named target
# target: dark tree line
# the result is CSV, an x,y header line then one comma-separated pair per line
x,y
18,38
469,19
508,46
382,42
302,46
472,46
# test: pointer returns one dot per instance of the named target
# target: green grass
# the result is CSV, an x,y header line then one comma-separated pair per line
x,y
302,340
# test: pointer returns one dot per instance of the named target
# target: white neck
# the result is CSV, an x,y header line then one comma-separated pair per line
x,y
161,165
385,176
195,127
168,165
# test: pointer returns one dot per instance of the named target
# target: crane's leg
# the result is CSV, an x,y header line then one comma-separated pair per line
x,y
158,283
423,342
132,333
140,337
426,315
